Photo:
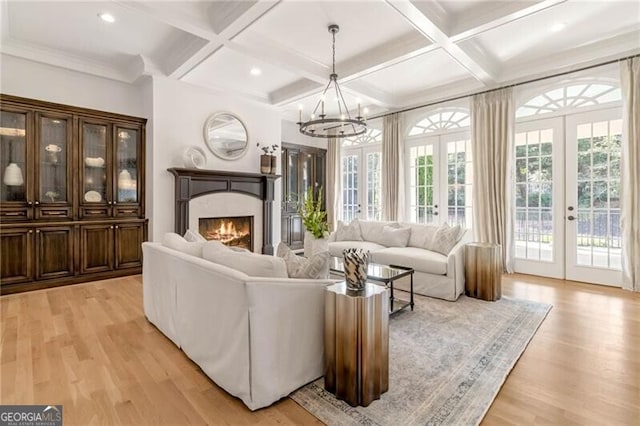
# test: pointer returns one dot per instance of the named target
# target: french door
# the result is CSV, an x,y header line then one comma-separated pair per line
x,y
594,144
361,184
567,217
439,178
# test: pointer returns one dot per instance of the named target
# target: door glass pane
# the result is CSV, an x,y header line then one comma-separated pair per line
x,y
292,177
53,160
459,178
13,154
374,186
94,156
598,194
307,165
127,158
422,183
534,195
350,206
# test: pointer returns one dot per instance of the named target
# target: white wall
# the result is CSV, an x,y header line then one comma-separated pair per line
x,y
28,79
179,113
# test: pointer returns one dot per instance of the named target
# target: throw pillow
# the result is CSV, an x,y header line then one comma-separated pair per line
x,y
395,237
349,232
211,247
316,267
252,264
444,239
194,236
176,242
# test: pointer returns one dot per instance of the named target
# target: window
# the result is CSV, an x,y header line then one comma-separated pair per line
x,y
563,99
361,176
439,168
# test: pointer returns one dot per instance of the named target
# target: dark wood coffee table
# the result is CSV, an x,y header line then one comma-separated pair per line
x,y
385,274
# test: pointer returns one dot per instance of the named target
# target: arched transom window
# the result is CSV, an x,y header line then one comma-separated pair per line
x,y
570,97
442,119
371,136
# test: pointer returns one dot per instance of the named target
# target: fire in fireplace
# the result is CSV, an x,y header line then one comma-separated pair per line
x,y
231,231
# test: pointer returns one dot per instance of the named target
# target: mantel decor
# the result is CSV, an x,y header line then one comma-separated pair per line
x,y
193,183
340,126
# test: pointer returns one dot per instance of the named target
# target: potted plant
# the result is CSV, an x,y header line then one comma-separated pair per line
x,y
314,219
268,161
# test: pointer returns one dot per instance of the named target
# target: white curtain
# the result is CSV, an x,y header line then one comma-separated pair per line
x,y
630,199
333,183
492,125
392,168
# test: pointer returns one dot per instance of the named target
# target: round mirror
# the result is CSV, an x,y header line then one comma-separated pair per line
x,y
226,136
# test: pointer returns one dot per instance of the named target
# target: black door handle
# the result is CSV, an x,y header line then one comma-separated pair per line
x,y
571,218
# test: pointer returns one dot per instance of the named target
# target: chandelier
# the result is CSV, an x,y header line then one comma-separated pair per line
x,y
341,126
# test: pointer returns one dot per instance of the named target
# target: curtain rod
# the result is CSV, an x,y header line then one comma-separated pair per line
x,y
534,80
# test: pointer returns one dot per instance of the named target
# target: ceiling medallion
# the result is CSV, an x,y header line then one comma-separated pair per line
x,y
341,126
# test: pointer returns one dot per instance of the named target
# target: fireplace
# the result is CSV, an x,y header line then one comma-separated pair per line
x,y
231,231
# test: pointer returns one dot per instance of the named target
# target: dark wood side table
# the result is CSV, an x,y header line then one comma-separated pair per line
x,y
483,271
356,343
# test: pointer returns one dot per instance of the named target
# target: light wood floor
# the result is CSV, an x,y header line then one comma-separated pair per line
x,y
90,348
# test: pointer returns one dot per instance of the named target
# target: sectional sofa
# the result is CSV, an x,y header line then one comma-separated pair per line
x,y
258,338
436,274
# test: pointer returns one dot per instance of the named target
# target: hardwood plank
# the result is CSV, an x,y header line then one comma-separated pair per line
x,y
90,348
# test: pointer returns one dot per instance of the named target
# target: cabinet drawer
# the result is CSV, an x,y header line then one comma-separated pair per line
x,y
122,211
53,213
10,215
95,212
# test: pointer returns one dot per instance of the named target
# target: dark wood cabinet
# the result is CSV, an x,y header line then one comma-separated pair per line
x,y
129,238
302,168
96,248
16,255
54,252
71,196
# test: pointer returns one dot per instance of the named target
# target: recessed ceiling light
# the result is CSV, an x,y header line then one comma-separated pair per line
x,y
558,27
107,17
256,71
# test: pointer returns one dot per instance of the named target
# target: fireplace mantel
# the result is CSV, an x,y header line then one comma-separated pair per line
x,y
193,183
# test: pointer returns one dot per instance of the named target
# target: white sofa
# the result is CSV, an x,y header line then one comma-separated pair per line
x,y
257,338
436,275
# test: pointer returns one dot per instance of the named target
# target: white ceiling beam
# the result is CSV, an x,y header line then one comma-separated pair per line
x,y
311,71
246,13
484,72
473,23
224,21
294,92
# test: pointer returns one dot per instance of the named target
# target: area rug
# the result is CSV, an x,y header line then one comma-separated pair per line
x,y
447,362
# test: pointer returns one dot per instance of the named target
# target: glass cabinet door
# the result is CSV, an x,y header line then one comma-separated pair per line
x,y
53,159
13,156
306,173
127,165
94,162
292,180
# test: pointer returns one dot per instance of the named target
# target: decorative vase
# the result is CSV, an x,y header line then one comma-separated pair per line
x,y
274,164
355,268
13,175
313,245
265,164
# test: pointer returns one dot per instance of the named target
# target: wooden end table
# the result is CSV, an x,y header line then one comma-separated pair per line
x,y
356,343
483,271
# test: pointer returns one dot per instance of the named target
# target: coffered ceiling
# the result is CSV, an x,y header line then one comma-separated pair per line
x,y
390,54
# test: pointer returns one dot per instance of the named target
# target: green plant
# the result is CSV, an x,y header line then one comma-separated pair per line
x,y
314,218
